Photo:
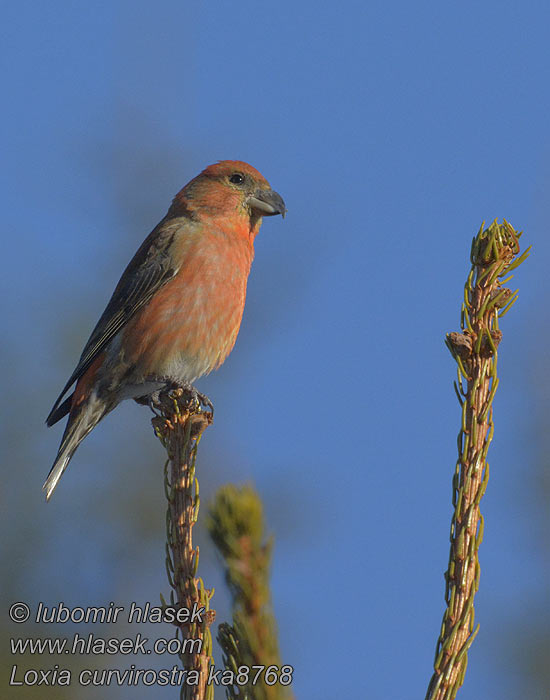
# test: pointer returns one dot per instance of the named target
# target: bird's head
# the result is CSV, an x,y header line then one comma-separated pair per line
x,y
233,191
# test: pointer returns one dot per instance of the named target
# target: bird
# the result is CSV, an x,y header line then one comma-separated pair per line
x,y
175,314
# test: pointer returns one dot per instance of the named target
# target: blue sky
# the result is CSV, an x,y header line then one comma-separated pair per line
x,y
392,130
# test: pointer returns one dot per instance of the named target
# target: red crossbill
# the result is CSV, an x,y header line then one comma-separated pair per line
x,y
176,311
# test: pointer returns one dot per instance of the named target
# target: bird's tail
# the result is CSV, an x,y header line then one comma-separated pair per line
x,y
82,420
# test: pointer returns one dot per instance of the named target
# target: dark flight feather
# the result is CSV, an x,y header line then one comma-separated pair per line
x,y
150,268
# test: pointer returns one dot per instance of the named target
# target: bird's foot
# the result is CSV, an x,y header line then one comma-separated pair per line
x,y
153,401
205,401
201,400
174,391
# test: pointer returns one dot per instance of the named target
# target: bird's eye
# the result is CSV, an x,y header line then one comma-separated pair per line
x,y
237,179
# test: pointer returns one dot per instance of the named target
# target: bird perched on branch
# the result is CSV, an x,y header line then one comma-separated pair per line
x,y
176,311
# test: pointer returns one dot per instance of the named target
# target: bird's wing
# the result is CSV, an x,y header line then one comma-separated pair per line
x,y
150,268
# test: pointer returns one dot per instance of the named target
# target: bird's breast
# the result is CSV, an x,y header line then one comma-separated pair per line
x,y
191,324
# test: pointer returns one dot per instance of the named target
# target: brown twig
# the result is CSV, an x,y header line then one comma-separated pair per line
x,y
179,427
475,351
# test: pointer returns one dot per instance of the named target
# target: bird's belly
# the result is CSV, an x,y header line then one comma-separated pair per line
x,y
183,341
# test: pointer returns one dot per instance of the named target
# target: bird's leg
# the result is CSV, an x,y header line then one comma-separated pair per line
x,y
204,400
152,400
201,399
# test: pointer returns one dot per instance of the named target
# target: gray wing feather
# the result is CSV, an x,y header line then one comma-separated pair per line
x,y
150,268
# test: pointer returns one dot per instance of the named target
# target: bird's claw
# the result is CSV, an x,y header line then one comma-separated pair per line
x,y
201,400
193,396
173,392
153,401
205,401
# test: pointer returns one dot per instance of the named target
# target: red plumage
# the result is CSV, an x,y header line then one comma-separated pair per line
x,y
176,311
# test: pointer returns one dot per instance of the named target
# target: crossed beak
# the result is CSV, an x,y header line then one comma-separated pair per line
x,y
268,202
